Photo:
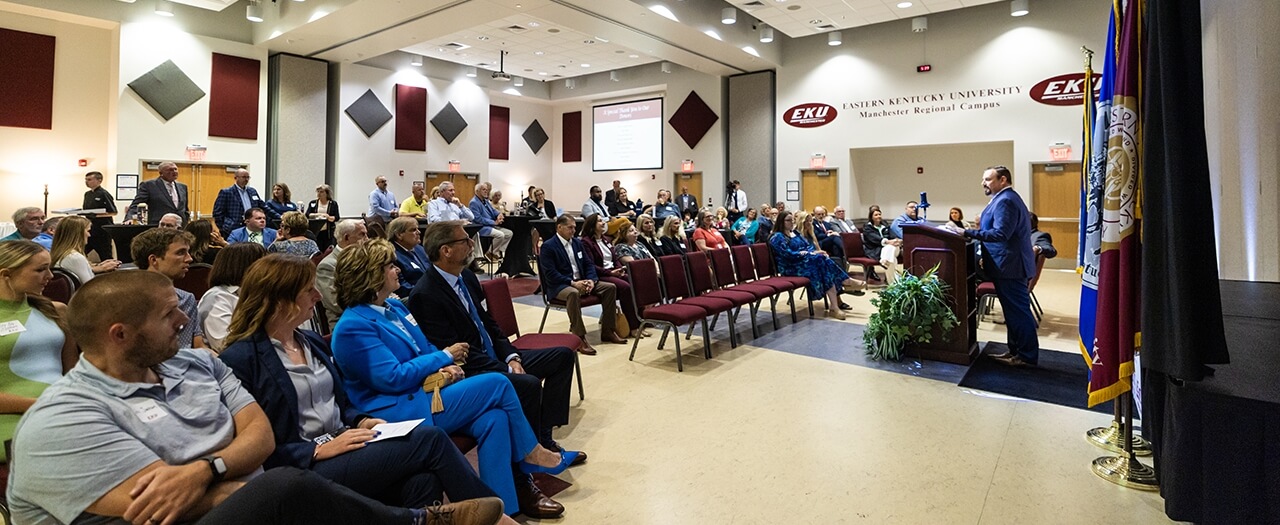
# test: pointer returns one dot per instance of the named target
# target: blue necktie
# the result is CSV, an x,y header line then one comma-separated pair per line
x,y
475,318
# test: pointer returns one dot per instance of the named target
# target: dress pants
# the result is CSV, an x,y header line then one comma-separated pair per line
x,y
501,238
608,304
625,299
1015,301
486,408
99,239
409,471
288,495
544,388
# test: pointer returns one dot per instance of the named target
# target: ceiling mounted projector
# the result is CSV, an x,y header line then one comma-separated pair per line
x,y
500,75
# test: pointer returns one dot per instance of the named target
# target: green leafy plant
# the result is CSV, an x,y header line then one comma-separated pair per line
x,y
908,311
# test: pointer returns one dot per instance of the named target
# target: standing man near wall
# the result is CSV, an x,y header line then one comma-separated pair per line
x,y
229,207
99,199
1005,232
382,203
735,200
686,202
163,194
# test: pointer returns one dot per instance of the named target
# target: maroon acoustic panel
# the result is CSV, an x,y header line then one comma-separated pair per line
x,y
411,118
233,97
26,79
499,133
693,119
571,137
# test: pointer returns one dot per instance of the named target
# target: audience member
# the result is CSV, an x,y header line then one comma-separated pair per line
x,y
215,309
382,203
611,196
175,436
491,218
410,258
621,206
673,238
545,208
207,241
35,349
721,220
595,204
526,199
629,247
735,201
568,274
349,232
600,252
495,200
170,221
163,194
385,361
649,236
664,207
842,224
956,220
765,223
231,203
1041,241
745,228
98,198
292,238
65,251
290,372
416,205
47,230
168,252
254,230
909,216
796,256
281,201
828,237
324,207
706,237
880,243
690,221
685,202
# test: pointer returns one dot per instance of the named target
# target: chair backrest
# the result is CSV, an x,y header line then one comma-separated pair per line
x,y
742,261
498,298
763,258
61,287
196,280
675,279
1039,268
722,265
319,256
646,288
75,281
853,244
320,318
700,272
376,226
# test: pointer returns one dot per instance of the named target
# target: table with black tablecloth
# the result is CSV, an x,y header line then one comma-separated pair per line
x,y
122,235
1218,440
516,259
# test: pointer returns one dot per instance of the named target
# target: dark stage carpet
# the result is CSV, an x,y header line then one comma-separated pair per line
x,y
1061,378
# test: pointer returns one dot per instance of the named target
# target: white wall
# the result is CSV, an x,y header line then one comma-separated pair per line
x,y
524,168
970,49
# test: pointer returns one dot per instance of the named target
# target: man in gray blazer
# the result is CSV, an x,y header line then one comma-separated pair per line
x,y
163,194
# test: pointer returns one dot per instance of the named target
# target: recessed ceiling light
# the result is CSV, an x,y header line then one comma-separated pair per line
x,y
633,56
533,24
904,5
542,73
539,53
589,42
482,37
816,21
164,8
586,65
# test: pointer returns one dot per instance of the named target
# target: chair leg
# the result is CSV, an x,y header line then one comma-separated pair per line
x,y
706,339
577,369
714,320
689,333
679,359
752,309
545,311
633,350
733,330
663,341
773,310
791,301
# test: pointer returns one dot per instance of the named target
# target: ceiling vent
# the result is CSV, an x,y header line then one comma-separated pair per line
x,y
516,29
455,46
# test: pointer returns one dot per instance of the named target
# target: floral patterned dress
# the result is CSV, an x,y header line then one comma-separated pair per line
x,y
797,257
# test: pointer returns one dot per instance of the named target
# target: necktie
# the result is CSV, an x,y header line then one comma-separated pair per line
x,y
173,193
475,318
255,237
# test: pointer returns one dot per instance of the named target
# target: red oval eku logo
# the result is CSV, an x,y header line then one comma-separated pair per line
x,y
809,115
1064,90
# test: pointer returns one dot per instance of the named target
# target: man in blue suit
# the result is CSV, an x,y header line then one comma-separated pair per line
x,y
254,230
1005,232
568,274
488,216
229,207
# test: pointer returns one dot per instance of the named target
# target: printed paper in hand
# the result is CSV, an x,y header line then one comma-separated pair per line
x,y
395,430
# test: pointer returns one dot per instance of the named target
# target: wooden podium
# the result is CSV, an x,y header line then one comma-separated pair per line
x,y
923,247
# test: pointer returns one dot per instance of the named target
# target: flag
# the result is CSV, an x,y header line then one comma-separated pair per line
x,y
1094,172
1116,331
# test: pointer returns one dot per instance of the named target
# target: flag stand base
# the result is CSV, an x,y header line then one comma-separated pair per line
x,y
1126,472
1112,438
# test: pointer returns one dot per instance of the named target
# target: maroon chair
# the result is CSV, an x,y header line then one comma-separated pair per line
x,y
61,287
646,291
763,257
498,299
319,256
726,278
855,254
704,285
550,302
196,280
745,266
675,282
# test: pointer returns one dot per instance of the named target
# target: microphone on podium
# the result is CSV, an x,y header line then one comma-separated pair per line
x,y
923,206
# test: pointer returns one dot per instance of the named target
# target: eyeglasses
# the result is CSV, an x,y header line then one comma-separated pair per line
x,y
464,239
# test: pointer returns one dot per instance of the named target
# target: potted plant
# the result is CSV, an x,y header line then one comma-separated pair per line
x,y
909,311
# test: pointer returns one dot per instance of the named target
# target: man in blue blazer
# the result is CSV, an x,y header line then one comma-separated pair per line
x,y
568,274
1005,232
254,230
229,207
489,217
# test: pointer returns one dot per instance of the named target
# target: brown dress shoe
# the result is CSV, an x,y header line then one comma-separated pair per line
x,y
479,511
1015,361
586,349
612,338
534,504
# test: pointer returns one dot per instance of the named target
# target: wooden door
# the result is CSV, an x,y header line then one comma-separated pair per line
x,y
464,184
818,188
209,180
1055,194
691,180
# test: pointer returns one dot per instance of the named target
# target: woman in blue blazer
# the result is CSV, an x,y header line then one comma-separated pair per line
x,y
411,259
384,359
291,374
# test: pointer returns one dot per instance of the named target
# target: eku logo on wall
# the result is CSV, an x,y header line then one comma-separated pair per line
x,y
1064,90
809,115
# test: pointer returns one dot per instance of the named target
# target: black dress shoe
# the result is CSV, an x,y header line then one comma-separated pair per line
x,y
1005,355
534,504
844,306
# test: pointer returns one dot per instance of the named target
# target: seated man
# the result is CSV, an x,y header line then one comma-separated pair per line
x,y
168,253
596,204
568,274
47,231
909,216
1041,242
448,207
171,221
349,232
416,205
828,236
485,214
449,306
254,230
29,220
174,435
664,207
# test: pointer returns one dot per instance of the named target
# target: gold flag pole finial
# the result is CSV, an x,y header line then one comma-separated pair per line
x,y
1088,55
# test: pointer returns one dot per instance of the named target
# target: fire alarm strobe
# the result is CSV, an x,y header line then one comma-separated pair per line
x,y
925,68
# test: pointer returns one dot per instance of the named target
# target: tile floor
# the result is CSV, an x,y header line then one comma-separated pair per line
x,y
766,434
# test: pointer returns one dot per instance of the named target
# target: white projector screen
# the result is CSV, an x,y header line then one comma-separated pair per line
x,y
627,136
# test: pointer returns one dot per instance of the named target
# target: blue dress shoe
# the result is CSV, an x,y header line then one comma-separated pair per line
x,y
566,458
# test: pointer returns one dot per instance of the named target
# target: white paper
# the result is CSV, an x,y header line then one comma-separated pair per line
x,y
394,430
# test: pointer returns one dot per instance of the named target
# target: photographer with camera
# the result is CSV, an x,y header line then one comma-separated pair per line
x,y
735,200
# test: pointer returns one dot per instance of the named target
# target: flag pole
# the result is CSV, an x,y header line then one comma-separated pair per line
x,y
1125,469
1111,437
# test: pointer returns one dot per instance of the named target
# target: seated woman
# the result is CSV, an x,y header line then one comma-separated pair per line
x,y
690,221
649,236
600,250
673,240
721,220
706,236
622,207
33,358
292,237
290,372
208,241
219,302
281,201
880,243
796,256
495,200
956,222
411,258
744,229
67,250
385,358
631,247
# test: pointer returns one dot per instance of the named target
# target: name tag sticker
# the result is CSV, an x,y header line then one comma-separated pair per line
x,y
579,255
148,411
11,327
411,320
415,266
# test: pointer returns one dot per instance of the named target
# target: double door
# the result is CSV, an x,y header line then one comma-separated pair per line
x,y
203,180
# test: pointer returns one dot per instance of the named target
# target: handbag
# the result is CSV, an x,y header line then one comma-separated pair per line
x,y
438,380
620,326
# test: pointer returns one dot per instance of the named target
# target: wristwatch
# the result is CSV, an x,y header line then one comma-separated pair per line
x,y
515,357
216,465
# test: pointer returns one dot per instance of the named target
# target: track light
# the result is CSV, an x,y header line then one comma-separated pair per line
x,y
766,34
728,16
666,67
1019,8
254,11
471,72
570,83
919,24
833,38
615,76
164,8
416,61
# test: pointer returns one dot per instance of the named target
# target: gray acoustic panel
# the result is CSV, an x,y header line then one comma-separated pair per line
x,y
167,89
368,113
535,136
752,137
449,123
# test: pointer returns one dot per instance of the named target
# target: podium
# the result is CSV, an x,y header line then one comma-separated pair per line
x,y
923,247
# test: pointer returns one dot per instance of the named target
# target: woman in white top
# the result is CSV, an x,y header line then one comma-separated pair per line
x,y
217,305
67,250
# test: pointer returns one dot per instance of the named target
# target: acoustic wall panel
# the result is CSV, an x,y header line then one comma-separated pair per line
x,y
693,119
233,97
752,136
535,136
368,113
26,79
449,123
297,131
411,118
499,133
167,90
571,137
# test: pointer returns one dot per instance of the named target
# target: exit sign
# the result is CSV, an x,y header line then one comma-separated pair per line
x,y
924,68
